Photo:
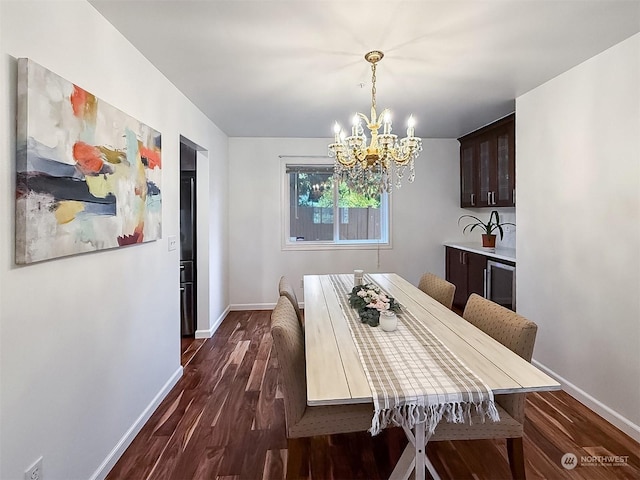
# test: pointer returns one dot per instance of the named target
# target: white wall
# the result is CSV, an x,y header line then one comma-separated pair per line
x,y
578,244
89,342
424,214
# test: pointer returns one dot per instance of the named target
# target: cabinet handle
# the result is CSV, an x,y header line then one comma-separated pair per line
x,y
485,275
473,199
488,198
464,258
182,289
181,267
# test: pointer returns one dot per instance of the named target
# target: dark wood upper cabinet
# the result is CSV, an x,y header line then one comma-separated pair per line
x,y
488,165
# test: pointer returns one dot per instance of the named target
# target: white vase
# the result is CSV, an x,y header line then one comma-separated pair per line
x,y
388,321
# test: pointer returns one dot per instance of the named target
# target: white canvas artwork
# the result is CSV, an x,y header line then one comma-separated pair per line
x,y
88,175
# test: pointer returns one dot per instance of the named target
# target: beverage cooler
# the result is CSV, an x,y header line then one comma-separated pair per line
x,y
500,284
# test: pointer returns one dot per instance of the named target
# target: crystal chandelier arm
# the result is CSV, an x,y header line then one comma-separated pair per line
x,y
409,149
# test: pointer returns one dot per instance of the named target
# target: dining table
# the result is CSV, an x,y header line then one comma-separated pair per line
x,y
334,363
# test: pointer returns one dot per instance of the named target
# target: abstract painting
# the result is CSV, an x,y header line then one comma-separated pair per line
x,y
88,175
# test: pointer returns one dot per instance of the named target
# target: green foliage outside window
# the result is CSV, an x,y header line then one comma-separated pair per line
x,y
322,194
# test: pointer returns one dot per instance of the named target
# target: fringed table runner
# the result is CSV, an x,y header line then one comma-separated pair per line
x,y
414,378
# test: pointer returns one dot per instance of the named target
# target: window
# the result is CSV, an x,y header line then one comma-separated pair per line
x,y
322,213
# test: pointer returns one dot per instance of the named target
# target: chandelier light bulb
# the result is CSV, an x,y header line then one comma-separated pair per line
x,y
355,124
336,132
387,122
411,123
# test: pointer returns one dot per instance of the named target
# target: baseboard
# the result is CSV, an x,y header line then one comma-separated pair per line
x,y
610,415
210,331
108,463
239,307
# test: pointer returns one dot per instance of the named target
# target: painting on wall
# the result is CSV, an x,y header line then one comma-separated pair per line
x,y
88,175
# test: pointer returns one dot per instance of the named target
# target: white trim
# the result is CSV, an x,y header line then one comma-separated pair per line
x,y
610,415
238,307
241,307
337,246
208,333
115,454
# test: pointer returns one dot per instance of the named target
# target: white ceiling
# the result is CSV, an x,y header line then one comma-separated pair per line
x,y
269,68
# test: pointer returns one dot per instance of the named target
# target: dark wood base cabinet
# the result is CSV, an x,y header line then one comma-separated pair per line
x,y
466,271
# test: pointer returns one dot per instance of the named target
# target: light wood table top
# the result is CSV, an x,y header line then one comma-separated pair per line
x,y
335,375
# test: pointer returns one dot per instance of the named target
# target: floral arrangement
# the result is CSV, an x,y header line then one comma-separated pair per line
x,y
369,300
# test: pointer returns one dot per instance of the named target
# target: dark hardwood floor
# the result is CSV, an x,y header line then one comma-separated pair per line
x,y
189,346
225,420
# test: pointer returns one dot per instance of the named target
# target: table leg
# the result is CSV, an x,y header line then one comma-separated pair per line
x,y
431,468
418,435
414,457
405,465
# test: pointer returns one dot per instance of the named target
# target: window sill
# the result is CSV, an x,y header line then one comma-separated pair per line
x,y
310,246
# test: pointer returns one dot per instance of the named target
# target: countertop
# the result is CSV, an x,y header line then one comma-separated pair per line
x,y
500,253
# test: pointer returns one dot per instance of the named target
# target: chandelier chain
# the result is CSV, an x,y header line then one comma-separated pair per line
x,y
373,86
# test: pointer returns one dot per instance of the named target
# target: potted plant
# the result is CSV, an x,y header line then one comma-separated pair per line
x,y
494,223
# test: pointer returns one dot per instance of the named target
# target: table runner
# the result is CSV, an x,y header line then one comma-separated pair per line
x,y
414,378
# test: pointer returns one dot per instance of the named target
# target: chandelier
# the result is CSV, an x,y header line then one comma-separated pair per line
x,y
369,168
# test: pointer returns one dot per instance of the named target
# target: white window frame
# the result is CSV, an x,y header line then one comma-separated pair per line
x,y
288,244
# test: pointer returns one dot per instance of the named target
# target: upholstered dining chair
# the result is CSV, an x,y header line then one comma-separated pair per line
x,y
517,334
301,420
285,288
438,288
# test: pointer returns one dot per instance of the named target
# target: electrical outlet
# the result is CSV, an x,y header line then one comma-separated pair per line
x,y
34,472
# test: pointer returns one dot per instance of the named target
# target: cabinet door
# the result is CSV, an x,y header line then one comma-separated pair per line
x,y
476,266
467,175
456,273
505,167
486,170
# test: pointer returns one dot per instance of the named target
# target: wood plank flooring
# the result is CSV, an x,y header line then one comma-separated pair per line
x,y
225,420
189,346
